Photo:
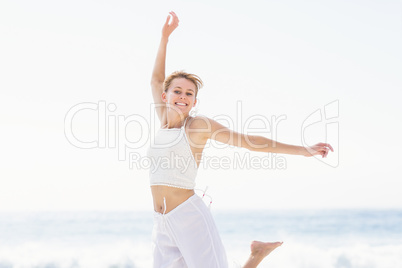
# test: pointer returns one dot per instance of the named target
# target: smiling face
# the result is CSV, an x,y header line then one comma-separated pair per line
x,y
181,95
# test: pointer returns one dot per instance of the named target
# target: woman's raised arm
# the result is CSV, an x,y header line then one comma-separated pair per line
x,y
158,73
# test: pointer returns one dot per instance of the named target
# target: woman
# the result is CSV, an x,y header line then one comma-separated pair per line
x,y
184,233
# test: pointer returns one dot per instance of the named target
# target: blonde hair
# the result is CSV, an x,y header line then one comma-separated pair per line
x,y
181,74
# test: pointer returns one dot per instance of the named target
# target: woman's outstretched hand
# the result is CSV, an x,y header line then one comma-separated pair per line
x,y
319,149
169,28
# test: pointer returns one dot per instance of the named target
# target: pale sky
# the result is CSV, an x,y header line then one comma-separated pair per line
x,y
260,59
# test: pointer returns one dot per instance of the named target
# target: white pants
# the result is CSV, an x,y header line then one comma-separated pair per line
x,y
187,237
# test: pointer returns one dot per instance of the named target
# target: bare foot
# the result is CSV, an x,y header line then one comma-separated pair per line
x,y
263,248
259,250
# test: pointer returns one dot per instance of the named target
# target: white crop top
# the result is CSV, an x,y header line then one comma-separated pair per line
x,y
172,161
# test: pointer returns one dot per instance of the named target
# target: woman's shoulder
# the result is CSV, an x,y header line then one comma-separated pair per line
x,y
204,125
200,127
199,122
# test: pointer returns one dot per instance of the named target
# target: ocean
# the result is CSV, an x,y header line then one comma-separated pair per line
x,y
312,238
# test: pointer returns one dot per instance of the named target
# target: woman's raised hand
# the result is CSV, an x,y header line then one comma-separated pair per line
x,y
319,149
169,28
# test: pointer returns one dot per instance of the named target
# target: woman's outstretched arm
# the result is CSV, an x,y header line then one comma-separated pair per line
x,y
158,73
216,131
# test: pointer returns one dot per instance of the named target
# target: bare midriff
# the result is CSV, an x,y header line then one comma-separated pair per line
x,y
174,197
